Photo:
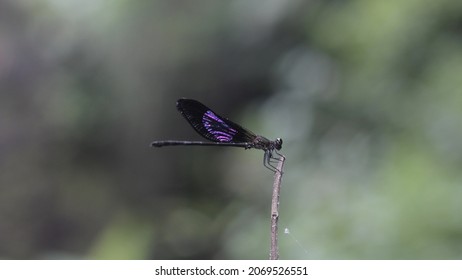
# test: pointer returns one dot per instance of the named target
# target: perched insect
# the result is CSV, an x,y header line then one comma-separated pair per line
x,y
222,131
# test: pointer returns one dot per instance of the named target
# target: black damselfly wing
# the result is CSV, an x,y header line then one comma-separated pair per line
x,y
211,125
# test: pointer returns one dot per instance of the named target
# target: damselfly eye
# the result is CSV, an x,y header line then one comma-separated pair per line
x,y
278,143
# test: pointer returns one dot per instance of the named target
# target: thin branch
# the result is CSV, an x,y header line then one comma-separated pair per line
x,y
274,250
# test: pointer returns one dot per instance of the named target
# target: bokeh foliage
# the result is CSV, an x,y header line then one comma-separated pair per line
x,y
365,94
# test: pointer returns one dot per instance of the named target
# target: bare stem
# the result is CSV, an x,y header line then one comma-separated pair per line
x,y
274,250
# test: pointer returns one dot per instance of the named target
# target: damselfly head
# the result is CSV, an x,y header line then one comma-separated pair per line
x,y
278,144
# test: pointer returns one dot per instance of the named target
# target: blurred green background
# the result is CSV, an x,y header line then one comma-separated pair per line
x,y
365,94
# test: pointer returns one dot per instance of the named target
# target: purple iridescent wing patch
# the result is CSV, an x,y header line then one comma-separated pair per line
x,y
221,131
212,126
